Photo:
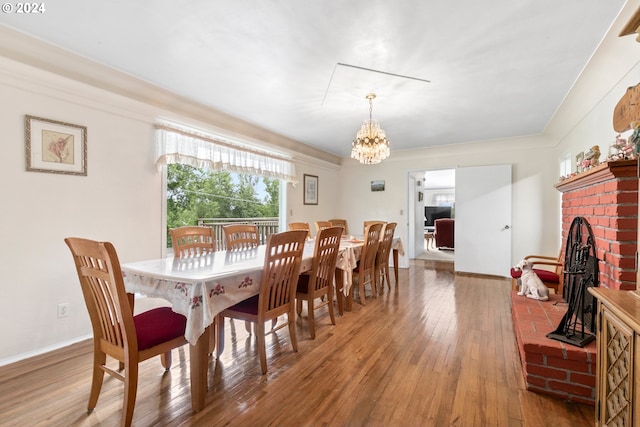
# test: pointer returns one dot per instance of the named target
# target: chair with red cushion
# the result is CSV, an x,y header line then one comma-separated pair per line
x,y
365,271
117,332
318,282
552,279
277,293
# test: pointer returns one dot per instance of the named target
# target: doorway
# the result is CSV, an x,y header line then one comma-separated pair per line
x,y
482,218
435,200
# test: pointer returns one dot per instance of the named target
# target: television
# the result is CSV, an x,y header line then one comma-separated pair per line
x,y
431,213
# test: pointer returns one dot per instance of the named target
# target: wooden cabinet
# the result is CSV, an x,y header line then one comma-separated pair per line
x,y
618,361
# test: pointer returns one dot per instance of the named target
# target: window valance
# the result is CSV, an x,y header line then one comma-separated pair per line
x,y
182,146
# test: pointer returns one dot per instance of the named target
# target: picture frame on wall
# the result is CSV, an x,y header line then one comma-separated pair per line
x,y
377,185
310,189
55,147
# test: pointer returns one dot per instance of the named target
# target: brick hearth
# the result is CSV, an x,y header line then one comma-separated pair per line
x,y
549,366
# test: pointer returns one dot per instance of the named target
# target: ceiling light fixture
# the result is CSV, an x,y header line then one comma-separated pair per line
x,y
371,145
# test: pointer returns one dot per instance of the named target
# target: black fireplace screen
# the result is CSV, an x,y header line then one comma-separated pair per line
x,y
580,272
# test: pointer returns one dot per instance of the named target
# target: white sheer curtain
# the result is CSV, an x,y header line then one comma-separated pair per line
x,y
183,146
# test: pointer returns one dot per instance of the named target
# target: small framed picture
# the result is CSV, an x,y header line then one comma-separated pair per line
x,y
377,185
55,147
310,190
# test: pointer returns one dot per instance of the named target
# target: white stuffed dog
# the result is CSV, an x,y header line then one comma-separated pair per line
x,y
531,285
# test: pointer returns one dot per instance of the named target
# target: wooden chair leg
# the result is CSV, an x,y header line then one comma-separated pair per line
x,y
374,285
130,390
213,337
387,277
330,305
361,292
165,360
99,359
262,350
292,330
219,325
312,320
299,306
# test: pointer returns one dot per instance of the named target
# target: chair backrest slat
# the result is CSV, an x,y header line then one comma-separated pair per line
x,y
340,223
320,225
387,239
370,248
300,226
281,269
325,257
241,236
192,241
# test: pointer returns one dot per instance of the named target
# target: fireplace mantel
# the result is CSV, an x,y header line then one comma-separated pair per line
x,y
603,172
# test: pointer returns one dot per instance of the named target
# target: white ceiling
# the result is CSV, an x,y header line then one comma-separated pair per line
x,y
495,68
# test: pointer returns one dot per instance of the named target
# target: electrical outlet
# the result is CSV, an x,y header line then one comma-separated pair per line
x,y
63,310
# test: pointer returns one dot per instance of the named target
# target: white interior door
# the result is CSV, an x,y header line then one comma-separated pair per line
x,y
483,220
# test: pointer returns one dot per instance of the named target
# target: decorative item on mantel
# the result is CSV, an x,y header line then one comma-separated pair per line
x,y
591,158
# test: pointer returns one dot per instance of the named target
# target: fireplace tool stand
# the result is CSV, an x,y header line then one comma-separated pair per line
x,y
580,272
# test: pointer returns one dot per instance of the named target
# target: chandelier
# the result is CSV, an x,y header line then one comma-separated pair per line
x,y
371,145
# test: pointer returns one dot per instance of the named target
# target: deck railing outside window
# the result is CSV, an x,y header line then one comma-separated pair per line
x,y
265,226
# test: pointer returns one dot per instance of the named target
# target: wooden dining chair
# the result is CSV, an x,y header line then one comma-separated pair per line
x,y
321,225
368,223
241,236
340,223
365,271
382,258
117,332
192,241
301,226
318,282
277,291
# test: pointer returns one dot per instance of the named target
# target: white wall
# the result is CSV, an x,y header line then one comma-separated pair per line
x,y
535,204
120,200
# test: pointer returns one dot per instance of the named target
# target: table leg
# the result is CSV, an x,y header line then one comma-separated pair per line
x,y
395,265
199,365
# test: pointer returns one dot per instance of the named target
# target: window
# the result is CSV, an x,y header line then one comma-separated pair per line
x,y
212,180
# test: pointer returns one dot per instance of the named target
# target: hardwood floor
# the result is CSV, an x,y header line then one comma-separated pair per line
x,y
439,350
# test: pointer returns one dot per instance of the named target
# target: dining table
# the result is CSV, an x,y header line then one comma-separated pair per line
x,y
200,287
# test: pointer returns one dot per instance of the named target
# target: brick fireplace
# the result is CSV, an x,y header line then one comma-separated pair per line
x,y
607,197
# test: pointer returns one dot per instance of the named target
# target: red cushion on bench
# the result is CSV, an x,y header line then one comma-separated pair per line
x,y
544,275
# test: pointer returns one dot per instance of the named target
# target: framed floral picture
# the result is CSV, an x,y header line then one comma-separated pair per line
x,y
310,190
55,147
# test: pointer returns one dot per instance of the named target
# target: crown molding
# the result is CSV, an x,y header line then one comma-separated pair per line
x,y
37,53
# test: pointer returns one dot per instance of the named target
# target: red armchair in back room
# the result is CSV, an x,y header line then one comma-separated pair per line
x,y
444,232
